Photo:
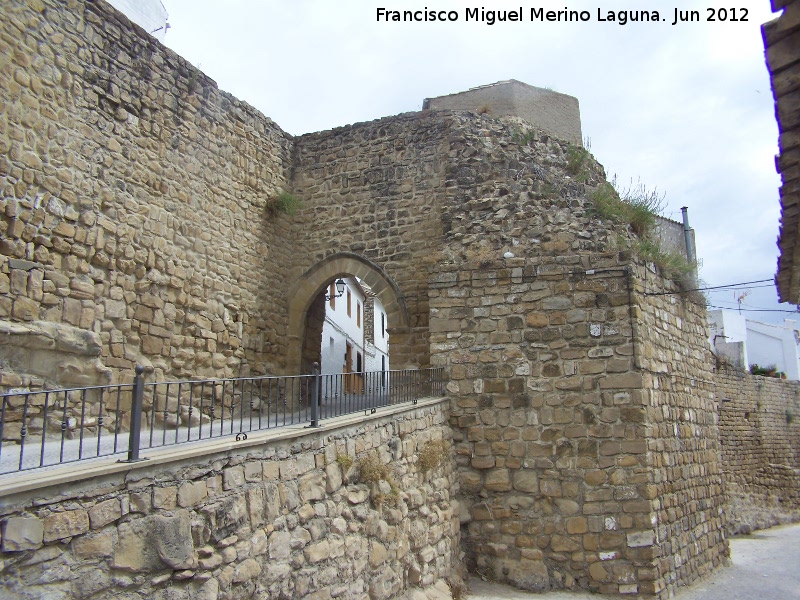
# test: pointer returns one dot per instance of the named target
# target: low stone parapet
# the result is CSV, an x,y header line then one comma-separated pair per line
x,y
347,510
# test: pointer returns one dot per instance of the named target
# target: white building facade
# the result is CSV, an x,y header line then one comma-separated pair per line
x,y
743,342
376,342
343,330
355,337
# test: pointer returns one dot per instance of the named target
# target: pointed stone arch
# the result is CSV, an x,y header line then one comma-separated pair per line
x,y
317,278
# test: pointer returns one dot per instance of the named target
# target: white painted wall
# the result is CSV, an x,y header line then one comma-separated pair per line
x,y
150,15
745,342
378,349
727,332
770,344
339,328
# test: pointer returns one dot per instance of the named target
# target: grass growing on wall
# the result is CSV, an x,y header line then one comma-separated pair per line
x,y
637,207
767,371
284,203
373,471
433,454
578,162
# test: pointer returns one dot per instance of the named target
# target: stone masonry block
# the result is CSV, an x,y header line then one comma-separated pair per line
x,y
104,513
22,533
65,524
627,380
233,478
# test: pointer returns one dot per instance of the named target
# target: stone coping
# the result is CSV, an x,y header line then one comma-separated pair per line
x,y
34,479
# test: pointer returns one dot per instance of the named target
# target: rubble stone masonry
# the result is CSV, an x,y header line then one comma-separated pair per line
x,y
760,438
135,228
132,195
282,519
585,424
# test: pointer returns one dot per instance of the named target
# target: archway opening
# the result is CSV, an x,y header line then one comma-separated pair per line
x,y
366,287
354,337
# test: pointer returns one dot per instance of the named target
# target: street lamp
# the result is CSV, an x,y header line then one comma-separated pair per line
x,y
340,285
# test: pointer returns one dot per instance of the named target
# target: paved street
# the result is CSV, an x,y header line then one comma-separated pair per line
x,y
764,566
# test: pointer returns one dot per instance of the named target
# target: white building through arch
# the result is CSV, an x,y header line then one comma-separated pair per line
x,y
355,336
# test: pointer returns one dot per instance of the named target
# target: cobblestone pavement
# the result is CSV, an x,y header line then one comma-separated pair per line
x,y
764,566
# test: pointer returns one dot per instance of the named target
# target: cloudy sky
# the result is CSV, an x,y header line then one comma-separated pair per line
x,y
686,109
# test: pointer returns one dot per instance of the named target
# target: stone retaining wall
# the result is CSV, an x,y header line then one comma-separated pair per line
x,y
759,424
283,519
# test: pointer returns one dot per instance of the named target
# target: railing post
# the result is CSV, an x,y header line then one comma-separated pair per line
x,y
136,415
315,385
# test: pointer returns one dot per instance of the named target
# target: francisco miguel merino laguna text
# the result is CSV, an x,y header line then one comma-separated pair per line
x,y
621,17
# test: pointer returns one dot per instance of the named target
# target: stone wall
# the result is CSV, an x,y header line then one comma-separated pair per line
x,y
685,487
132,205
553,353
283,519
375,189
759,425
585,428
541,380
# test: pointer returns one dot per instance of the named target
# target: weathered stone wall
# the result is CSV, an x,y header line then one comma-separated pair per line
x,y
375,189
550,353
134,227
684,487
759,429
281,519
542,383
132,205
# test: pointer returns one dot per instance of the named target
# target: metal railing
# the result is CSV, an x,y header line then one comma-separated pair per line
x,y
44,428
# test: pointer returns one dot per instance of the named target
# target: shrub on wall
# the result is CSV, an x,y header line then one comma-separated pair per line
x,y
768,371
284,203
638,207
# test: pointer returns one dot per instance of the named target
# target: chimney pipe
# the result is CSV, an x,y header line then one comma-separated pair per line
x,y
687,235
687,238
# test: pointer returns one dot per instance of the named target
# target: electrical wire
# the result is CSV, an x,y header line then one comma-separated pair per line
x,y
749,287
703,289
794,312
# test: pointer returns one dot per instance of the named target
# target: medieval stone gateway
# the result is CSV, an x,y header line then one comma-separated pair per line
x,y
580,421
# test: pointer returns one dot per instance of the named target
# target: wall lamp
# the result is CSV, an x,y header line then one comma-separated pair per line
x,y
340,285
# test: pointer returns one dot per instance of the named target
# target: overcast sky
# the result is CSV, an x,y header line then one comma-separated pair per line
x,y
686,109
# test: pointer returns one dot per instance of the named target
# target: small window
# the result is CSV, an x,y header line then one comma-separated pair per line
x,y
383,325
358,314
349,311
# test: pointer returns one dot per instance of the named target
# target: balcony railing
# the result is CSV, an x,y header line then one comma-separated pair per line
x,y
44,428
